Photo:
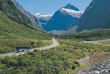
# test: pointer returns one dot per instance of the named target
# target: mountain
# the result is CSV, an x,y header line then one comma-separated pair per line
x,y
34,21
13,23
43,18
97,15
8,8
62,33
63,19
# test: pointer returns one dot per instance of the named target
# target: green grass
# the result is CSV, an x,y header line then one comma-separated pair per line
x,y
95,34
11,28
58,60
13,34
9,44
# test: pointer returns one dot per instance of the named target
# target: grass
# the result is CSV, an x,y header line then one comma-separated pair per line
x,y
10,28
9,44
13,34
60,60
89,35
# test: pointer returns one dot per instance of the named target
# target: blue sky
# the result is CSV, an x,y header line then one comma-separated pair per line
x,y
51,6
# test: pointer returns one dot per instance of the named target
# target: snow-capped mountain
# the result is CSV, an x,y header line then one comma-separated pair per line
x,y
71,12
63,19
43,18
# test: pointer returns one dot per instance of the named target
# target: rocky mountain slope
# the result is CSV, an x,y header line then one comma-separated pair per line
x,y
8,8
97,15
63,19
34,21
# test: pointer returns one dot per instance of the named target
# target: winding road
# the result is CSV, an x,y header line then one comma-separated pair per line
x,y
96,41
54,44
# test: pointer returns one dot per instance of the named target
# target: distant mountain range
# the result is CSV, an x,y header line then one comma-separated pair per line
x,y
43,18
62,20
34,21
69,19
97,15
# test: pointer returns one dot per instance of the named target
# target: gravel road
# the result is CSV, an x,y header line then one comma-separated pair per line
x,y
54,44
96,41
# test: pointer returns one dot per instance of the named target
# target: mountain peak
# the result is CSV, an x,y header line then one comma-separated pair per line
x,y
38,15
69,6
43,18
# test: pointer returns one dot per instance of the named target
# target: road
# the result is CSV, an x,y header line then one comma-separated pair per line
x,y
54,44
96,41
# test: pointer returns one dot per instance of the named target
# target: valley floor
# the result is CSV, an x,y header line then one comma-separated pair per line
x,y
59,60
103,67
54,44
94,58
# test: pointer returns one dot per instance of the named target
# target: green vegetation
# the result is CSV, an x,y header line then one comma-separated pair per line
x,y
11,28
106,43
90,35
9,44
59,60
16,31
13,35
14,24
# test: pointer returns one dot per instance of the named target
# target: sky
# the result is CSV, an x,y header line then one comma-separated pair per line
x,y
51,6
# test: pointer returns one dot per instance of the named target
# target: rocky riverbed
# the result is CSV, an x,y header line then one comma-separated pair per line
x,y
99,68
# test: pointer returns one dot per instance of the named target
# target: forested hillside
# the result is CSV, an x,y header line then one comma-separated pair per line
x,y
8,8
16,30
9,27
96,15
95,34
13,22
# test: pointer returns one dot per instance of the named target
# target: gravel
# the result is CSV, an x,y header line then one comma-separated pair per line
x,y
99,68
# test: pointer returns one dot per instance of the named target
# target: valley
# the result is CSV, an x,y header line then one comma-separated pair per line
x,y
61,59
54,44
69,41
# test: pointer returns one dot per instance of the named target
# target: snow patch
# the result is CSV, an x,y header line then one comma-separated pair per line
x,y
71,12
44,17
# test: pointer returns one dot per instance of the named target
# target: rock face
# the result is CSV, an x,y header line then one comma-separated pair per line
x,y
43,18
97,15
34,21
63,19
